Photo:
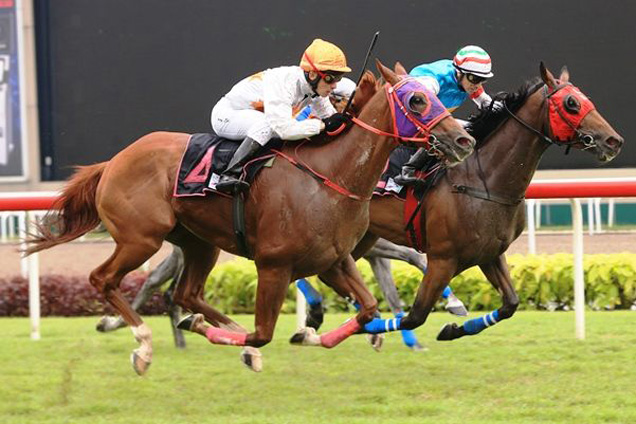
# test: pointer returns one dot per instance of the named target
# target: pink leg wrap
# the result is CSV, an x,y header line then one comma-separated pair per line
x,y
334,337
217,335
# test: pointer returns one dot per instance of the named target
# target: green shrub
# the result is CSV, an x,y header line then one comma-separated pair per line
x,y
541,281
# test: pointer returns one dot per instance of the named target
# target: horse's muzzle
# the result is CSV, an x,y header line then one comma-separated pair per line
x,y
609,147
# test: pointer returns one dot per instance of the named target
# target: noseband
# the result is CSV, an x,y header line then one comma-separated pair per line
x,y
408,126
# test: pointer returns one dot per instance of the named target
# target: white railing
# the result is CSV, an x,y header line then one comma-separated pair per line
x,y
539,189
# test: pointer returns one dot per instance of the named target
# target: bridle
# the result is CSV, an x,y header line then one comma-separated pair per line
x,y
587,140
418,125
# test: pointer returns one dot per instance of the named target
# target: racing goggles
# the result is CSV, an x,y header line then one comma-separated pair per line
x,y
475,79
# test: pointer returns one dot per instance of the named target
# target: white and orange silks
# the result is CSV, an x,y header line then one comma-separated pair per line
x,y
262,106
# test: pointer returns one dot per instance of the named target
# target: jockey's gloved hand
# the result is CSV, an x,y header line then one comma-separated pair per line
x,y
337,122
497,105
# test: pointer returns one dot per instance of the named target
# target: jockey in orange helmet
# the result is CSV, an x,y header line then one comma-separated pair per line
x,y
262,106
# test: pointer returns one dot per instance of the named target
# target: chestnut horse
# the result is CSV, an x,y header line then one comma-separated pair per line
x,y
476,210
296,225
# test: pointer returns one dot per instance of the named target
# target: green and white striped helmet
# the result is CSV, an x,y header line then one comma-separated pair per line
x,y
473,60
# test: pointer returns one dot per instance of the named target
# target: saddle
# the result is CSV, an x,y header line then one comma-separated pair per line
x,y
412,195
388,187
206,157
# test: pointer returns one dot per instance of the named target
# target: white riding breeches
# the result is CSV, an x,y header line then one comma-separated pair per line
x,y
238,124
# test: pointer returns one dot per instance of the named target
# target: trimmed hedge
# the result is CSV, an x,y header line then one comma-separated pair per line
x,y
541,281
70,296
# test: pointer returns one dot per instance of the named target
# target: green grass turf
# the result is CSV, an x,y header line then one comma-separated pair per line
x,y
529,369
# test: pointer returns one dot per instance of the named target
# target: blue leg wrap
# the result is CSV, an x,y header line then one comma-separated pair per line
x,y
477,325
408,336
311,294
447,292
379,325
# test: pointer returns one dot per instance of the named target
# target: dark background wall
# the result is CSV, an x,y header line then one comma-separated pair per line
x,y
111,71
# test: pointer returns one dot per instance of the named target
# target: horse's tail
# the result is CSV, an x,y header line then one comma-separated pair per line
x,y
73,214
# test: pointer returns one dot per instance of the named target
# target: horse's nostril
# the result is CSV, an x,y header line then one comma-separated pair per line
x,y
614,142
465,142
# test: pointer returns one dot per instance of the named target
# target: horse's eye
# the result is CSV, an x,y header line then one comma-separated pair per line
x,y
417,103
571,104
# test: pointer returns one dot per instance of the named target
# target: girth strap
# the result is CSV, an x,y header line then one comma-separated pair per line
x,y
486,195
238,215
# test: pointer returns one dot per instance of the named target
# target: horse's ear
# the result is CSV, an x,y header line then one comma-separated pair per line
x,y
400,69
365,90
547,76
565,74
388,75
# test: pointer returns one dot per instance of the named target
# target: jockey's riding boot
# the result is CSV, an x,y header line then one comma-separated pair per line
x,y
230,177
416,162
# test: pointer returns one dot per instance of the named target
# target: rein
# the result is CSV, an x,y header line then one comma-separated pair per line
x,y
319,177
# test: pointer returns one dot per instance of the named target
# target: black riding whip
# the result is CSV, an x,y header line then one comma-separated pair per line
x,y
353,93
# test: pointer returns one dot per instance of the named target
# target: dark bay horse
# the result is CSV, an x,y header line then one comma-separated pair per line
x,y
476,210
296,225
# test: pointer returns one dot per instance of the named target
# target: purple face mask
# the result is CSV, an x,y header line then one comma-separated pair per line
x,y
408,123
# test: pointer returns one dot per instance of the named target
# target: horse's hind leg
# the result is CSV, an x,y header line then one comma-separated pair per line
x,y
106,279
497,273
157,277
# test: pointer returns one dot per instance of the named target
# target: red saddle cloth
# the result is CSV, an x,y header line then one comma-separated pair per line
x,y
414,231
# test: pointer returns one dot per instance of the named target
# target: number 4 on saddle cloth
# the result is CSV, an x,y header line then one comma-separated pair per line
x,y
206,157
412,195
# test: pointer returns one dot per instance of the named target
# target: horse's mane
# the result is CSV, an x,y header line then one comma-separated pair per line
x,y
487,120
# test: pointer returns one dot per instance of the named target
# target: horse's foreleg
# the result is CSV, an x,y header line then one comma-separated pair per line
x,y
439,272
381,267
497,273
386,249
199,259
346,280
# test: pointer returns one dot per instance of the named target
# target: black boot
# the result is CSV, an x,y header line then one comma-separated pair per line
x,y
416,162
232,173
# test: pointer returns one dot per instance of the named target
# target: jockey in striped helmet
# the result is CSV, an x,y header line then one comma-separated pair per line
x,y
453,81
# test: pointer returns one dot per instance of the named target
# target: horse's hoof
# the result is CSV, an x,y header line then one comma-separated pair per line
x,y
102,324
376,341
139,365
107,324
456,307
252,358
189,322
306,337
417,347
450,332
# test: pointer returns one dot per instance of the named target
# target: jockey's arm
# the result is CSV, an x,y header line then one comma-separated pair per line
x,y
430,83
322,107
278,104
481,98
